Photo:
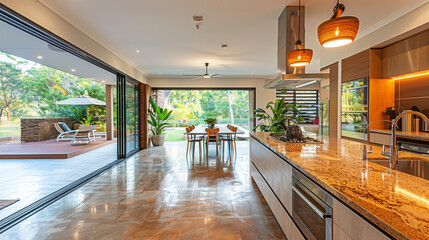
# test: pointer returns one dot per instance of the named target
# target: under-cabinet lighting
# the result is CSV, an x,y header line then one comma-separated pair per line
x,y
417,74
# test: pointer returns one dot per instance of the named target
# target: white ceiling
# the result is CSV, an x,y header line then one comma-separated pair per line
x,y
23,45
170,44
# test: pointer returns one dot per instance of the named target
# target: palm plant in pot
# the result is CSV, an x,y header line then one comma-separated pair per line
x,y
282,114
158,121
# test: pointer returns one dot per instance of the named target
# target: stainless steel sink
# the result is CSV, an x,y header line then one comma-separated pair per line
x,y
418,168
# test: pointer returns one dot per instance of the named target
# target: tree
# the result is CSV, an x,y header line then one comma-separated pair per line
x,y
10,87
231,109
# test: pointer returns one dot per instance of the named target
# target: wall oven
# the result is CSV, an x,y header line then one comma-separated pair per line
x,y
311,208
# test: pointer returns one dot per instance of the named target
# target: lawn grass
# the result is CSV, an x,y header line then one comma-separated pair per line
x,y
175,135
10,129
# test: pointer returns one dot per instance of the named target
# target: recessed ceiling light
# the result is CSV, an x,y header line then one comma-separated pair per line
x,y
224,46
137,51
73,70
39,57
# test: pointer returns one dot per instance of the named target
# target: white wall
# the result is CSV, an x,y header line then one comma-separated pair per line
x,y
263,96
40,14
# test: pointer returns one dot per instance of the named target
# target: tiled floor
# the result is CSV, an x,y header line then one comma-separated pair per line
x,y
31,179
158,194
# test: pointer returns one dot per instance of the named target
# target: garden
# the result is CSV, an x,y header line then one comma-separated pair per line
x,y
28,89
194,107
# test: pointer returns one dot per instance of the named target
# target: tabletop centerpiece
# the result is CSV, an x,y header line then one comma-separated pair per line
x,y
211,122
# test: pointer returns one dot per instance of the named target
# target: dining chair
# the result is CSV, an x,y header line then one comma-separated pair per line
x,y
231,139
213,132
192,139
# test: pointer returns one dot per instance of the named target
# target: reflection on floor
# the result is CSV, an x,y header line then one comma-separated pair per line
x,y
5,203
158,194
32,179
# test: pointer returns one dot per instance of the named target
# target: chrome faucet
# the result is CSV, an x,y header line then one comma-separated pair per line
x,y
364,149
393,154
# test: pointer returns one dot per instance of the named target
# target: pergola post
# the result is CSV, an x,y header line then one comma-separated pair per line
x,y
109,112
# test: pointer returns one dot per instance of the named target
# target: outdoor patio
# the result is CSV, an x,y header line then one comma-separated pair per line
x,y
48,149
31,180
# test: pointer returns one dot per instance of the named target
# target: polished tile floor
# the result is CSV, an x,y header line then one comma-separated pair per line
x,y
32,179
159,194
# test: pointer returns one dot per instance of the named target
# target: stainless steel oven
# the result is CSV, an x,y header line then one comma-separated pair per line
x,y
311,208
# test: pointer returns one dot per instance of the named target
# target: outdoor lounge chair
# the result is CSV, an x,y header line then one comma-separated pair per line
x,y
65,133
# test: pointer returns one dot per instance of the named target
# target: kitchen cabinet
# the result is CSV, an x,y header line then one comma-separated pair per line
x,y
380,138
401,58
355,67
273,176
348,225
406,56
424,51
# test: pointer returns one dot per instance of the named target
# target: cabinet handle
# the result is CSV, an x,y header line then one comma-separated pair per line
x,y
314,207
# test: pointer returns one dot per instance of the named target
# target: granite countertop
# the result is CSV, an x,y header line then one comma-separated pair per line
x,y
413,135
394,201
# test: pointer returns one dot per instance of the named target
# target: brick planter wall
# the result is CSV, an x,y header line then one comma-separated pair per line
x,y
39,129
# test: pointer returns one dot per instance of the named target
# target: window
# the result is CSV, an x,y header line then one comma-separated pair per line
x,y
307,98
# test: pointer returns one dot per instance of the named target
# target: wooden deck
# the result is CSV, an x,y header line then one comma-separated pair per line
x,y
49,149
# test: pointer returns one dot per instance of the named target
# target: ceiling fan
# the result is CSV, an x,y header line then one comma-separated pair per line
x,y
206,75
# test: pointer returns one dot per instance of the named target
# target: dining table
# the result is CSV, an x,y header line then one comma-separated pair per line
x,y
223,130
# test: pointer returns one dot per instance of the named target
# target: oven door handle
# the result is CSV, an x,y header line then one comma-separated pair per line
x,y
316,209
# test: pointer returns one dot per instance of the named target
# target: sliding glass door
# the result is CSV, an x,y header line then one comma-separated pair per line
x,y
128,116
132,117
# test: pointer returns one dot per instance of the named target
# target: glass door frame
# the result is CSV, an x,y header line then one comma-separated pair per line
x,y
121,83
24,24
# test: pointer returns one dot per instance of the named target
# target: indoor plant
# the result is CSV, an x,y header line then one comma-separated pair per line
x,y
282,113
210,122
158,121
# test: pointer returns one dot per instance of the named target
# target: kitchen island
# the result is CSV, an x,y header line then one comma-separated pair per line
x,y
370,201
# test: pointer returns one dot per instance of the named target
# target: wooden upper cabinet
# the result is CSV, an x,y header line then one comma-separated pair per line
x,y
424,51
356,66
406,56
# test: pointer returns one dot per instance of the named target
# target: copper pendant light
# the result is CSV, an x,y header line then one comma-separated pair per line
x,y
301,56
338,31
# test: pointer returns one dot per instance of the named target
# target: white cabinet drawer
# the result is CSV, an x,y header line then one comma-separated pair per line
x,y
353,225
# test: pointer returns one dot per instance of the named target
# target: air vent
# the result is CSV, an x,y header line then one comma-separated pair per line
x,y
198,18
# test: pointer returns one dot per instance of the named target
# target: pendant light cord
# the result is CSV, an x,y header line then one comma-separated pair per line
x,y
299,21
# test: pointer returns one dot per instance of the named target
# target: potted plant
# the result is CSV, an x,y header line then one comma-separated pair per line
x,y
87,124
158,121
282,113
211,122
